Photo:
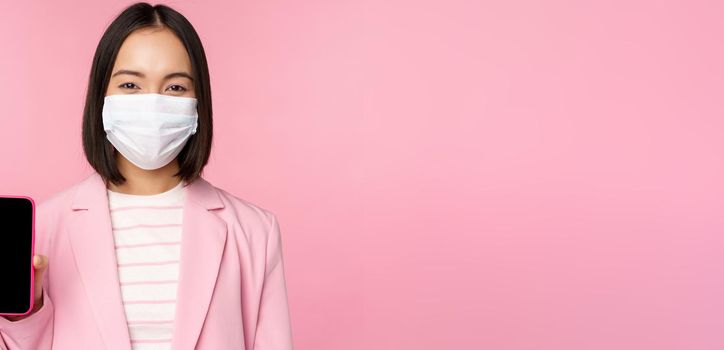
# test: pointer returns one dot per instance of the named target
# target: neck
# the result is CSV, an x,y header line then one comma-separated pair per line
x,y
145,182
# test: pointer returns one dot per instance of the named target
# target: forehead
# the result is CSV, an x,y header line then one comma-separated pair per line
x,y
154,52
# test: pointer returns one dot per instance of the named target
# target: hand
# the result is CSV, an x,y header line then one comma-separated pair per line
x,y
40,264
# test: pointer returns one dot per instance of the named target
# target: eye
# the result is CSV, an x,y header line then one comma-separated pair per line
x,y
177,88
126,86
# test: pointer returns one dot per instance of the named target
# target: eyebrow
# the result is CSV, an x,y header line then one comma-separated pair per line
x,y
141,75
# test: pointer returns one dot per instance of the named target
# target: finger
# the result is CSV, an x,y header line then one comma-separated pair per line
x,y
40,262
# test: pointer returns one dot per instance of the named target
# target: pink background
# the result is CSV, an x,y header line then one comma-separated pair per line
x,y
447,175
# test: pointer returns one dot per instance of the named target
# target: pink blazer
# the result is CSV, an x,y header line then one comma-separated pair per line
x,y
231,292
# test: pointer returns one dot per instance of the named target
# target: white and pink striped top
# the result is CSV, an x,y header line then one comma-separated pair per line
x,y
147,235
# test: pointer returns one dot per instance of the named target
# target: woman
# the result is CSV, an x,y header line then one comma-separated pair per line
x,y
145,253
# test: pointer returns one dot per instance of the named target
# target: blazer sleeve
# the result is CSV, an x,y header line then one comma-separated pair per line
x,y
273,328
34,331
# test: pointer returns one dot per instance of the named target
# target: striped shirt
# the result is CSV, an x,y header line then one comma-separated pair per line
x,y
147,236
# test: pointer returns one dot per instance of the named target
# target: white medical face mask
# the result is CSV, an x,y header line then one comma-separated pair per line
x,y
149,129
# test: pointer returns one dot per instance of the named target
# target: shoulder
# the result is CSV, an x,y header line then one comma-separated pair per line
x,y
249,222
56,203
51,214
248,214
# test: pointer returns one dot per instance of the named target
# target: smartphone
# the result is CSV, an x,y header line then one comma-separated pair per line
x,y
17,245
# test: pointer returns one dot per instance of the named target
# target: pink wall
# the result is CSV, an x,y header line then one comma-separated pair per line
x,y
448,175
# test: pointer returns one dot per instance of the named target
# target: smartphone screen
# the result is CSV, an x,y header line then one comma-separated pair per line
x,y
17,216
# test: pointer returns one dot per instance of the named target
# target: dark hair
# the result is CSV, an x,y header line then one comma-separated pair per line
x,y
98,150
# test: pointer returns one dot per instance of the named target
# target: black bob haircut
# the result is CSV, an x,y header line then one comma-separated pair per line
x,y
98,150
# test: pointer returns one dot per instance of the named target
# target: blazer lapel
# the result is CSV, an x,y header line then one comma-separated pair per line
x,y
202,245
91,238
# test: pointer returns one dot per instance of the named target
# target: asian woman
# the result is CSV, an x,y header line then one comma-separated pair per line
x,y
145,253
